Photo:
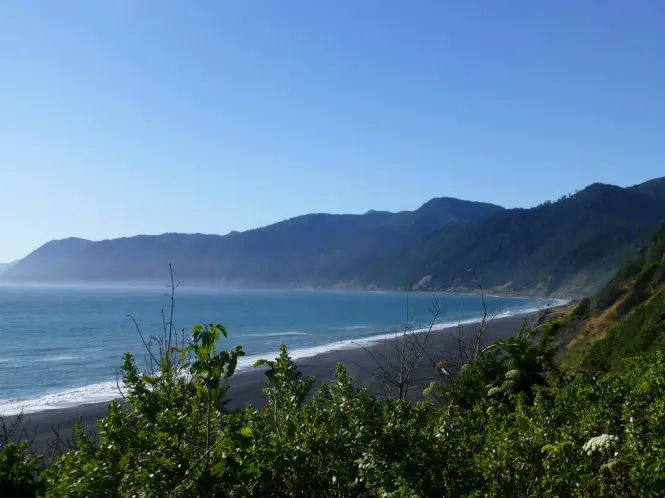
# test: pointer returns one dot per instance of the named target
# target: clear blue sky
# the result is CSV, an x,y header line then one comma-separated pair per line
x,y
124,117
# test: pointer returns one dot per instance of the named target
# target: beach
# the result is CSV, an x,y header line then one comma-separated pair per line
x,y
246,386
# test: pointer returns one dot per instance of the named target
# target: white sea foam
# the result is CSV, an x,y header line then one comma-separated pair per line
x,y
60,357
106,391
103,391
248,361
277,334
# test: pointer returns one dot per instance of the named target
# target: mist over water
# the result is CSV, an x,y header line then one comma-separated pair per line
x,y
63,345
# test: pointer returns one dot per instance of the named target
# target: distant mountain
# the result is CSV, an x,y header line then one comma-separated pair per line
x,y
297,252
4,267
568,247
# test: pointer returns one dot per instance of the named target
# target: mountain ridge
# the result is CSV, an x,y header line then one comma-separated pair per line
x,y
324,241
565,248
571,246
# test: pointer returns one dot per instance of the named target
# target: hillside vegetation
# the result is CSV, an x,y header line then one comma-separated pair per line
x,y
511,421
627,316
568,247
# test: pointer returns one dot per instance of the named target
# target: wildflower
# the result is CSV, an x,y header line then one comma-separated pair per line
x,y
493,391
599,443
511,374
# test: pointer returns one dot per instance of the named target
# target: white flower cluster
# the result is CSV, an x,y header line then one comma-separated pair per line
x,y
493,391
600,443
362,461
511,374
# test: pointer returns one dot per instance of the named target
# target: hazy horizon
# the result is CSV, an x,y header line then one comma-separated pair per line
x,y
231,231
129,118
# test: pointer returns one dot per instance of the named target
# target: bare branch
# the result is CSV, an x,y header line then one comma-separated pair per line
x,y
173,287
409,347
9,430
164,324
483,326
146,345
117,385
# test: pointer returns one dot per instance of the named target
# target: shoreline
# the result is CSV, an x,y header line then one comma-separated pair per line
x,y
205,285
246,386
105,391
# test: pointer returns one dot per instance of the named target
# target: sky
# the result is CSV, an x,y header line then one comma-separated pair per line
x,y
125,117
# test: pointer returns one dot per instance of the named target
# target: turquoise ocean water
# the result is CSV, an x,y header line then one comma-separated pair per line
x,y
61,346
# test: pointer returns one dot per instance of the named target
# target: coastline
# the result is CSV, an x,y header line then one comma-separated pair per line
x,y
246,386
496,291
107,390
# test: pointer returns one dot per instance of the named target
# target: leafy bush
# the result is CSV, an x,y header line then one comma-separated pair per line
x,y
18,470
583,309
164,443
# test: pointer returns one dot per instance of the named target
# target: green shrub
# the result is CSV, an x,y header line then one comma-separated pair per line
x,y
18,470
582,310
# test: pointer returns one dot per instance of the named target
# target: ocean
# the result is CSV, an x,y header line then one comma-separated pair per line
x,y
63,345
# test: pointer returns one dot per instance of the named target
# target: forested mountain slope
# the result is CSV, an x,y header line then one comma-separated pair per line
x,y
567,247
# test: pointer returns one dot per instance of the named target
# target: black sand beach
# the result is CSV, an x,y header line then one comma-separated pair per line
x,y
246,387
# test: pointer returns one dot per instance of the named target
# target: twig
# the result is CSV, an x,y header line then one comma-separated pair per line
x,y
410,346
117,385
173,287
145,345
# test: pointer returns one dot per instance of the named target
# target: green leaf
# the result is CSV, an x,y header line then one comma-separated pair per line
x,y
218,469
150,379
223,329
197,330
